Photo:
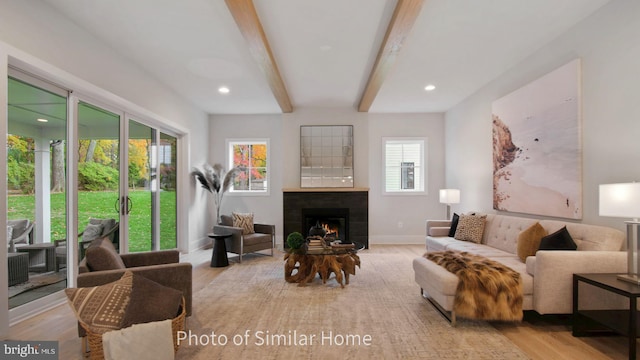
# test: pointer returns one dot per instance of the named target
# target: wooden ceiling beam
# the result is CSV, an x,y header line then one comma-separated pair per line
x,y
246,17
404,16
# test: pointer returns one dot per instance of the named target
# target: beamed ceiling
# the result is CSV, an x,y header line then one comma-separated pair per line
x,y
371,55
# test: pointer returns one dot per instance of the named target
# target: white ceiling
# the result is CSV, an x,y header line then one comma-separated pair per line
x,y
325,49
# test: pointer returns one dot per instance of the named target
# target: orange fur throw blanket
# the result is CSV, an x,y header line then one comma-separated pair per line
x,y
487,290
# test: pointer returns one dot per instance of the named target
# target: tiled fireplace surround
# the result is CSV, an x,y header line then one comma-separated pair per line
x,y
355,200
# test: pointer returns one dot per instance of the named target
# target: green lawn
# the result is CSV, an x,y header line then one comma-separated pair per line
x,y
102,205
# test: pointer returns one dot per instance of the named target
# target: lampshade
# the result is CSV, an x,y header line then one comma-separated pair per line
x,y
618,200
449,196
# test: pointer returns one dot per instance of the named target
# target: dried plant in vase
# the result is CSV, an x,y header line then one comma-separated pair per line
x,y
215,180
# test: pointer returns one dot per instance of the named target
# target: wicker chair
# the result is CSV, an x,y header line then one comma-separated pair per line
x,y
110,229
21,233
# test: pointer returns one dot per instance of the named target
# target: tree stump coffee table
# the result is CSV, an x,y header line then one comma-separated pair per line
x,y
306,266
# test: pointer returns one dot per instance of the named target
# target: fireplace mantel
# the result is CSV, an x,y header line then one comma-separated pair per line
x,y
331,189
356,200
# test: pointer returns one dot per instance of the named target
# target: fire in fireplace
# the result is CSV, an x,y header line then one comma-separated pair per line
x,y
335,222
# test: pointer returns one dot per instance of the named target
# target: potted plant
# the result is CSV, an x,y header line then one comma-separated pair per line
x,y
296,241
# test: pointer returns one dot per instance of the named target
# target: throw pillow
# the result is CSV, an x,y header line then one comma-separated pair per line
x,y
454,225
529,241
9,235
92,232
151,301
559,240
102,255
107,224
244,221
470,228
102,308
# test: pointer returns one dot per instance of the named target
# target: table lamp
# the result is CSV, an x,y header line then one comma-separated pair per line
x,y
623,200
449,196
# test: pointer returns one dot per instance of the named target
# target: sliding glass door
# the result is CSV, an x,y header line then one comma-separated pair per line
x,y
98,151
126,184
151,191
36,197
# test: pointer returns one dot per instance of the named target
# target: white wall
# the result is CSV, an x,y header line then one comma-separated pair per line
x,y
284,133
607,42
400,219
34,37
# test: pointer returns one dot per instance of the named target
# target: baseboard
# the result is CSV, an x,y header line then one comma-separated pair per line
x,y
396,239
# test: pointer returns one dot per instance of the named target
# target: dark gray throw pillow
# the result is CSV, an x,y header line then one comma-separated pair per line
x,y
559,240
454,225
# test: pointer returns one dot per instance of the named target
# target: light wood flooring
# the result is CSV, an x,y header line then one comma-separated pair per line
x,y
539,337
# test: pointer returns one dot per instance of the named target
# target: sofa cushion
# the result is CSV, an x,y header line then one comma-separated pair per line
x,y
470,228
102,255
529,240
559,240
501,231
243,221
102,307
151,301
454,224
478,249
255,238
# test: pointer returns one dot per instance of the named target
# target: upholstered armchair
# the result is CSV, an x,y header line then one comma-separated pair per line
x,y
103,265
241,242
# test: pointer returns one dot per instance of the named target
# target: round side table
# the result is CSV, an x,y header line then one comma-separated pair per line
x,y
219,254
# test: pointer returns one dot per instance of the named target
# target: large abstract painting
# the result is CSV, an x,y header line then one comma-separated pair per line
x,y
537,152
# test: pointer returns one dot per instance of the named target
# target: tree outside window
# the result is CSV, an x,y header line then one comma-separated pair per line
x,y
251,156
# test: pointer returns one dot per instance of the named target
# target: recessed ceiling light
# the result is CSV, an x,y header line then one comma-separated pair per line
x,y
223,90
42,120
430,87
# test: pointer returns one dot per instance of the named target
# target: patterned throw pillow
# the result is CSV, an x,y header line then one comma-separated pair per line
x,y
103,307
470,228
244,221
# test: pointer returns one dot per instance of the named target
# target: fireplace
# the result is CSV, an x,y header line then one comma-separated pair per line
x,y
303,207
335,221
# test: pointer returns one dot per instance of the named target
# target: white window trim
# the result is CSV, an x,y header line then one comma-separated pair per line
x,y
424,167
233,192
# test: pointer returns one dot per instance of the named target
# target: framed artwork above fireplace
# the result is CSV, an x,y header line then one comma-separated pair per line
x,y
326,156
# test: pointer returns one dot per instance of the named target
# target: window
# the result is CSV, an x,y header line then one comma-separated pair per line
x,y
252,157
404,165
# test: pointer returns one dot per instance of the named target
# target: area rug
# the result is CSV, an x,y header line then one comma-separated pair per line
x,y
37,281
250,312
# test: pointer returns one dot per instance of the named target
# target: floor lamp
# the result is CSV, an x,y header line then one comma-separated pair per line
x,y
449,196
623,200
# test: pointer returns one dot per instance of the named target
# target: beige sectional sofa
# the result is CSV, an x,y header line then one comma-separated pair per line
x,y
547,276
